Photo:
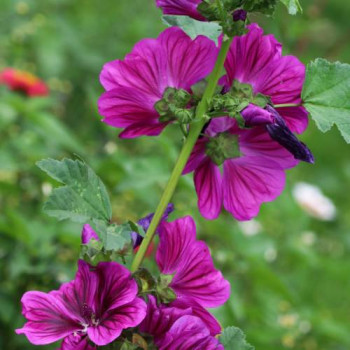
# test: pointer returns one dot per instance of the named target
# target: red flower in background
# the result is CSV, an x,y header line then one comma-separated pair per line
x,y
23,81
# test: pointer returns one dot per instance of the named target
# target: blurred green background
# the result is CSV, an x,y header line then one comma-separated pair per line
x,y
290,281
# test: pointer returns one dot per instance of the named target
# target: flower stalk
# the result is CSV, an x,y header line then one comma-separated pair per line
x,y
185,153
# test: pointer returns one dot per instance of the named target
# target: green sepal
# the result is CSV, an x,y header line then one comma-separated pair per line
x,y
164,292
145,281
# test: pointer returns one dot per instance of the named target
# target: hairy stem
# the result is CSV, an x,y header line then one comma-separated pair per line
x,y
288,105
186,150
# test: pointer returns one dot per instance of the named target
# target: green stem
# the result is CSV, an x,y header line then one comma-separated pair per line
x,y
185,153
288,105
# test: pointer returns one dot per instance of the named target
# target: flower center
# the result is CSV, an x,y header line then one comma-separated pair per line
x,y
89,316
221,147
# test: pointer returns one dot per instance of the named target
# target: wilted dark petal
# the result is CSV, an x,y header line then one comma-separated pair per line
x,y
280,132
296,118
258,143
239,15
189,333
254,115
48,318
146,221
181,7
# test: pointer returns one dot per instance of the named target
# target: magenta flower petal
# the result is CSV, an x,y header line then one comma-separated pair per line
x,y
195,276
48,318
134,85
189,333
257,59
257,142
248,182
295,117
197,156
160,318
250,54
208,183
208,319
114,321
76,342
181,7
142,129
87,234
189,60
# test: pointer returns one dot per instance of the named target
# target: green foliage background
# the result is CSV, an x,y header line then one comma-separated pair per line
x,y
287,292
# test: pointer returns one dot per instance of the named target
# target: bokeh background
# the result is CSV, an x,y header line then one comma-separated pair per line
x,y
289,271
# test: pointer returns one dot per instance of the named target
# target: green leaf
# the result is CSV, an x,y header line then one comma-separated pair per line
x,y
83,199
293,6
326,95
117,236
194,28
233,338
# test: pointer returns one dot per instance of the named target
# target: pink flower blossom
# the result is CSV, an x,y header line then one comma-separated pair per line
x,y
133,86
189,333
239,169
97,305
181,7
189,261
161,318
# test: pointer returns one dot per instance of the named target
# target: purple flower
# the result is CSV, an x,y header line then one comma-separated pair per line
x,y
160,318
189,333
239,169
189,261
87,234
133,86
181,7
97,305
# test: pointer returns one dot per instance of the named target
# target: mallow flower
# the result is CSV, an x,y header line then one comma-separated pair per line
x,y
161,317
95,307
189,333
157,70
186,263
241,168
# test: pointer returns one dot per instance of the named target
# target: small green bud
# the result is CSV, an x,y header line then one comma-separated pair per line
x,y
221,147
165,293
184,116
261,100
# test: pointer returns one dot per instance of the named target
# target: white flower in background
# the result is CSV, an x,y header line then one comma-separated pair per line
x,y
46,188
308,238
314,202
270,254
250,228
